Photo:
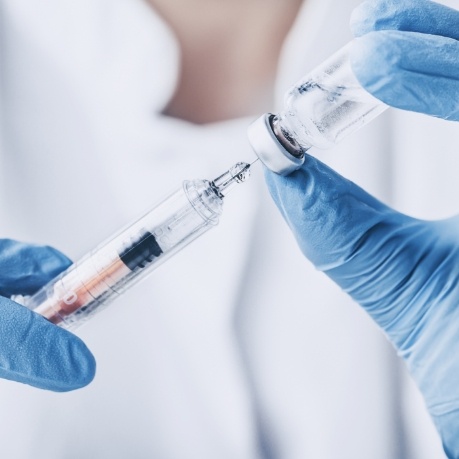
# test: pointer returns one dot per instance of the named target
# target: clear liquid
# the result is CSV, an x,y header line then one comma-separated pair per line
x,y
328,104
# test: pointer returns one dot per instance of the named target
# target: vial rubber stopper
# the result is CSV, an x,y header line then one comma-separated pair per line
x,y
269,149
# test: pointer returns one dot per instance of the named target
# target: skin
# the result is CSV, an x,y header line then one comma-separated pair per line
x,y
230,50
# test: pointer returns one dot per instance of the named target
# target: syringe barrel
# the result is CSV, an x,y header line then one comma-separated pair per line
x,y
94,281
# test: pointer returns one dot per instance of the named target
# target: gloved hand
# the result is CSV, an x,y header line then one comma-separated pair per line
x,y
403,271
32,350
408,54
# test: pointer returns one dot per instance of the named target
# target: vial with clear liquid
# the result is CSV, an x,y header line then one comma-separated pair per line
x,y
320,110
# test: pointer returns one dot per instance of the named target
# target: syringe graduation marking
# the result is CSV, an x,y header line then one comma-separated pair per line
x,y
142,252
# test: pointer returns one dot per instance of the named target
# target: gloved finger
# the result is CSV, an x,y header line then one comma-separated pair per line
x,y
421,16
410,71
368,249
35,352
327,213
24,268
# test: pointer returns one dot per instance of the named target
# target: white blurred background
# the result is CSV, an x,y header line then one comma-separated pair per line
x,y
237,348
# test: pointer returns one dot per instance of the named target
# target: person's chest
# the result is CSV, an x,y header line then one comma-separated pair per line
x,y
229,55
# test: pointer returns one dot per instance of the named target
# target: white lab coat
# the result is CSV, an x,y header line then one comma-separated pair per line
x,y
237,347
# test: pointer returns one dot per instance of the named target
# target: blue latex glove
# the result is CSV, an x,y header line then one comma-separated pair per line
x,y
408,54
403,271
32,350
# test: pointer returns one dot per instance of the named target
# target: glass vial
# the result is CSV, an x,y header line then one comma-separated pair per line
x,y
325,106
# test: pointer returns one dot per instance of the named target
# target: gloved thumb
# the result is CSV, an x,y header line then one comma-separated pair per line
x,y
36,352
367,248
327,213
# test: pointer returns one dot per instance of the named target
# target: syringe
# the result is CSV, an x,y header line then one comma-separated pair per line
x,y
91,283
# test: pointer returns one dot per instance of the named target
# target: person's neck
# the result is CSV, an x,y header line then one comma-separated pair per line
x,y
229,52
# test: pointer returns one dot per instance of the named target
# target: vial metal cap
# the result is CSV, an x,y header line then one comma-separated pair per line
x,y
269,149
